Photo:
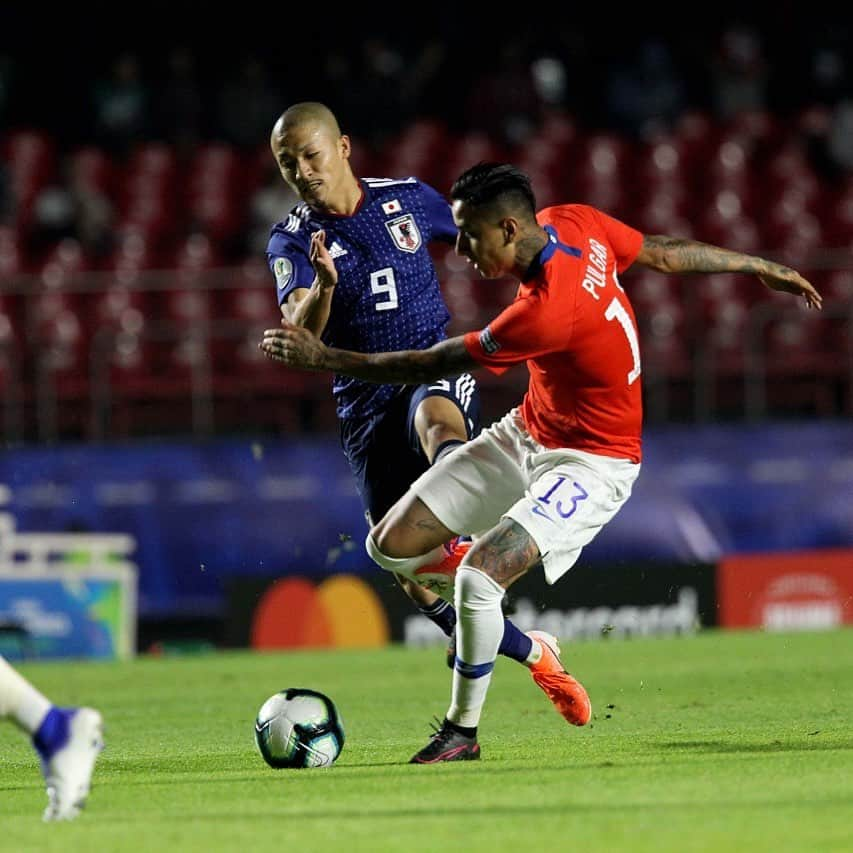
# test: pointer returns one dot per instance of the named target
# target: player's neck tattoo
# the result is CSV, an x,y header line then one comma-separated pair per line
x,y
527,253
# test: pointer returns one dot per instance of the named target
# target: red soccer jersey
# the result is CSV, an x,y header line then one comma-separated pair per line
x,y
574,326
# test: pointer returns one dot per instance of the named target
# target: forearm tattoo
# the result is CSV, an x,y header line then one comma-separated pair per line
x,y
681,255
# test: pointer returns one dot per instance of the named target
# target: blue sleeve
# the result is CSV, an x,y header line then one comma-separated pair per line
x,y
439,214
287,257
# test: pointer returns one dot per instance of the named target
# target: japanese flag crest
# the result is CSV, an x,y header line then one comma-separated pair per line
x,y
404,232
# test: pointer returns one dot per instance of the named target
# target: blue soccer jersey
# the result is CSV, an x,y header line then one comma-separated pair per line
x,y
388,296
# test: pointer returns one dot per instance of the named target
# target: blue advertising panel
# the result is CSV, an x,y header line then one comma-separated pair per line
x,y
205,513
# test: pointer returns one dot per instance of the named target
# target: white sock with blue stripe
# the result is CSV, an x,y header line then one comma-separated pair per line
x,y
479,629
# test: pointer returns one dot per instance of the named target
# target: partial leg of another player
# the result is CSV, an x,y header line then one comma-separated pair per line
x,y
441,429
67,740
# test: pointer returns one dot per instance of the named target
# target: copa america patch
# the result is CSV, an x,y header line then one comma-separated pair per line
x,y
283,271
488,342
404,232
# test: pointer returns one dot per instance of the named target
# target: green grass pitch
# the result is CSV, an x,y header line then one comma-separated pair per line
x,y
722,741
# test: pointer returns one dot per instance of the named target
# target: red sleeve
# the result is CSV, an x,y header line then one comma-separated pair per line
x,y
625,241
521,331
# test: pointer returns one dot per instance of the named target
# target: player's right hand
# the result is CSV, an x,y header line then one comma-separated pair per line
x,y
324,266
294,346
785,280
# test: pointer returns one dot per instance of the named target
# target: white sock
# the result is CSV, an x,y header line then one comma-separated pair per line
x,y
479,629
402,565
535,654
20,701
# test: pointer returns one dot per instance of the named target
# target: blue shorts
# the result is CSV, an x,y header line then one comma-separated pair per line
x,y
384,451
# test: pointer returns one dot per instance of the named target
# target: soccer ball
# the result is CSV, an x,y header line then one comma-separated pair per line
x,y
299,728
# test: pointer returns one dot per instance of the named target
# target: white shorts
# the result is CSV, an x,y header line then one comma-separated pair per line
x,y
562,498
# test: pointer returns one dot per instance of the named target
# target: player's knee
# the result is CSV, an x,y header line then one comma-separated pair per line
x,y
377,549
476,589
438,421
387,540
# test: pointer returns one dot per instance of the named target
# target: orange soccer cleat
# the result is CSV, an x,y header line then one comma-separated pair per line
x,y
440,577
566,693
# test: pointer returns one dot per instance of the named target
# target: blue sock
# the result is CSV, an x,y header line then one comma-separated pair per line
x,y
52,734
515,644
442,613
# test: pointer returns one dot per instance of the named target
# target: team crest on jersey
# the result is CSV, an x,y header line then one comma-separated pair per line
x,y
393,206
404,232
283,271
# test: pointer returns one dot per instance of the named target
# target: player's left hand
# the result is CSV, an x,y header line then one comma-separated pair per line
x,y
294,346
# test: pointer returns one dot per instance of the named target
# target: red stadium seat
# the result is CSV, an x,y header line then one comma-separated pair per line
x,y
602,159
837,288
92,169
416,150
664,211
664,163
838,215
155,161
11,254
695,133
133,250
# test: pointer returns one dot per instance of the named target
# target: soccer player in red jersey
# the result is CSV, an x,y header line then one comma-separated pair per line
x,y
539,484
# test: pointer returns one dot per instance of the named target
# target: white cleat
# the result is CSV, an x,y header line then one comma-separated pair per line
x,y
68,773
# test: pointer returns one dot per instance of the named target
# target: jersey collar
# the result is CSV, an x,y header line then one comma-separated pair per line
x,y
327,214
545,253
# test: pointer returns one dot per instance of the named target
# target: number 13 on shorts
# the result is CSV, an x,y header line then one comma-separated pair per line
x,y
561,500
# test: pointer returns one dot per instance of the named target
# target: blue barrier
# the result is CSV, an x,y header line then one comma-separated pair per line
x,y
204,513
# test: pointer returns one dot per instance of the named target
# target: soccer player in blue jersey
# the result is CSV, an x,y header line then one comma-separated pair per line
x,y
386,296
67,741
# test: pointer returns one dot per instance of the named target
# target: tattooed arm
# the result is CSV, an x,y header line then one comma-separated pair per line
x,y
297,347
674,255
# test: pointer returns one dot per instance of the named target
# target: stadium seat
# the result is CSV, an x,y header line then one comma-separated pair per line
x,y
12,352
241,313
119,308
838,217
662,163
133,250
416,150
729,170
92,169
837,288
695,134
154,161
796,240
466,312
467,150
11,254
664,211
756,126
602,159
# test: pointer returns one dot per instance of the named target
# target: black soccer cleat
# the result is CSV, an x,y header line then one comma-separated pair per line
x,y
447,744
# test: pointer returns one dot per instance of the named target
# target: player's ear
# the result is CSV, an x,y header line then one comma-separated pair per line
x,y
510,229
345,146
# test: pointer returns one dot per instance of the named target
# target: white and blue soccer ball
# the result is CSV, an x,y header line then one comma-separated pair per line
x,y
299,728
